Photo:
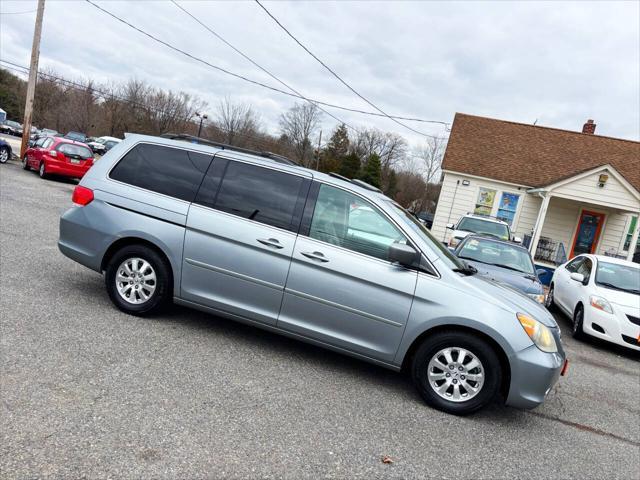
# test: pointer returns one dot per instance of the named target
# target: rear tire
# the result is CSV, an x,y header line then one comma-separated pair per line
x,y
578,321
476,376
4,154
139,280
550,301
25,163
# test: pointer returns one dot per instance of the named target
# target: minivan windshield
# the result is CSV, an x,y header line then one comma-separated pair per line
x,y
486,227
447,257
618,277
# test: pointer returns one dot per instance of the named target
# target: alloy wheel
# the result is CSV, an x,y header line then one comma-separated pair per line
x,y
456,374
41,170
136,280
4,155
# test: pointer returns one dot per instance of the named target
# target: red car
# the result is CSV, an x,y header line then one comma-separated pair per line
x,y
58,156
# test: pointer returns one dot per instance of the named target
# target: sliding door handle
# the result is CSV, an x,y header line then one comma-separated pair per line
x,y
271,242
317,256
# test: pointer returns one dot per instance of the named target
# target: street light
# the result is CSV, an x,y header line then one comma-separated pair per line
x,y
203,117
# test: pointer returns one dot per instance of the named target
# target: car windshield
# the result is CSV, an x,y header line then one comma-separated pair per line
x,y
496,253
75,151
618,277
447,257
486,227
13,124
76,136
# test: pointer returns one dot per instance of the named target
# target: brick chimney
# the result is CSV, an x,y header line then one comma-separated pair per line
x,y
589,127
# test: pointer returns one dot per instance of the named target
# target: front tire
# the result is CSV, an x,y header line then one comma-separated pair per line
x,y
4,155
25,163
42,170
550,301
456,372
138,280
578,322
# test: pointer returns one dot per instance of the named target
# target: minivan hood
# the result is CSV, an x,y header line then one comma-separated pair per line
x,y
509,298
520,281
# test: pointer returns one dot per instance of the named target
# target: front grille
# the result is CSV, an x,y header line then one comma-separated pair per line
x,y
633,319
631,340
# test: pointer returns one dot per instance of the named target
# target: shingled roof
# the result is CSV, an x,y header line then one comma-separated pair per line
x,y
531,155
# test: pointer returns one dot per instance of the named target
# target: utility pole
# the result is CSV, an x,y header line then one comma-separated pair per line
x,y
318,157
33,75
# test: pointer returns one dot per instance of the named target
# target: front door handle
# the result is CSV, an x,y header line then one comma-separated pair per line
x,y
317,256
271,242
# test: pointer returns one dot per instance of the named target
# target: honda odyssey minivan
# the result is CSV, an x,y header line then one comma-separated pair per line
x,y
316,257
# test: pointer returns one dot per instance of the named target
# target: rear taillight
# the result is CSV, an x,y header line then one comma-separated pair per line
x,y
82,196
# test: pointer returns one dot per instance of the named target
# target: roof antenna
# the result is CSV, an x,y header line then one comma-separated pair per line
x,y
535,121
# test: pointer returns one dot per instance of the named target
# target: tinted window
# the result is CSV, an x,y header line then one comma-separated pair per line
x,y
74,151
260,194
170,171
346,220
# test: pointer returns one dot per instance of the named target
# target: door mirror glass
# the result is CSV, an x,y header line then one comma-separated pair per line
x,y
450,226
403,254
578,277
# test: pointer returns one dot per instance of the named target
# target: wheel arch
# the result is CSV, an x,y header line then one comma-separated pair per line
x,y
497,348
128,241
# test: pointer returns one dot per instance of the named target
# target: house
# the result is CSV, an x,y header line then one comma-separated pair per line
x,y
563,192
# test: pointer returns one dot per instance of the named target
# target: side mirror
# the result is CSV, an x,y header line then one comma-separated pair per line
x,y
405,255
578,277
517,239
541,272
450,226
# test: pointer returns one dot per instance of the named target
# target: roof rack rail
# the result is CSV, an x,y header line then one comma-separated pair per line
x,y
366,185
337,175
203,141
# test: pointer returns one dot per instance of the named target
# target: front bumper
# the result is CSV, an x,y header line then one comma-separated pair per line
x,y
617,327
533,374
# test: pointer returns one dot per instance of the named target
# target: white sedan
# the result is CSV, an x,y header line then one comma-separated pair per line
x,y
602,296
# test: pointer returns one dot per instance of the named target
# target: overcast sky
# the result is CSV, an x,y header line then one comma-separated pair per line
x,y
557,62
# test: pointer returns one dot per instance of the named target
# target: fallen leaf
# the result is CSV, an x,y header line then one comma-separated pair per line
x,y
386,459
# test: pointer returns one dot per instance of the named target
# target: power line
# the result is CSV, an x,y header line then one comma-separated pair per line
x,y
18,13
336,75
241,77
259,66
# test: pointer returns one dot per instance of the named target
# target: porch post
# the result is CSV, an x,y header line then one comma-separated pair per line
x,y
634,240
537,230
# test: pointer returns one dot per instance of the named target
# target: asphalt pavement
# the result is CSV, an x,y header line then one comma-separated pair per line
x,y
89,392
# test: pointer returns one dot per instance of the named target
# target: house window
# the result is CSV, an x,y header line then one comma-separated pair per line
x,y
484,204
508,206
629,236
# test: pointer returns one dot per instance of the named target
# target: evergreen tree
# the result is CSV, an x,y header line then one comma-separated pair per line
x,y
338,145
392,184
350,166
372,171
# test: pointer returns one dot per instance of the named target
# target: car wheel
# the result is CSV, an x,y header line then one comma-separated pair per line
x,y
456,372
4,155
138,280
42,170
550,301
25,163
578,320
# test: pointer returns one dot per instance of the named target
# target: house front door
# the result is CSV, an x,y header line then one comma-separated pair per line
x,y
588,232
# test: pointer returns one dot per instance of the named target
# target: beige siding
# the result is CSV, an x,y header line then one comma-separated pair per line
x,y
561,221
528,215
614,232
586,189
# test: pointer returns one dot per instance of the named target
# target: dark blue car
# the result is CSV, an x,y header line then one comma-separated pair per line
x,y
5,151
503,262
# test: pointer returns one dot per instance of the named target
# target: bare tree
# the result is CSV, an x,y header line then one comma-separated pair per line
x,y
298,125
237,122
431,154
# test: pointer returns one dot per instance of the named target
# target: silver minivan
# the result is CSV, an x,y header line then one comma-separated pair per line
x,y
316,257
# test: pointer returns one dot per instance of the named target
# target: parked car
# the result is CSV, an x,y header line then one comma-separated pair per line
x,y
5,151
601,295
284,248
11,128
59,156
102,145
482,224
45,132
77,136
504,262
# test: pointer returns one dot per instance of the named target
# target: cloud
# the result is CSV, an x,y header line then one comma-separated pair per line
x,y
559,63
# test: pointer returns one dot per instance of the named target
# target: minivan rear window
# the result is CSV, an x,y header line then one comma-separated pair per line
x,y
170,171
260,194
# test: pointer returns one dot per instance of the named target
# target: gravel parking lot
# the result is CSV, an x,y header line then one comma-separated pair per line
x,y
90,392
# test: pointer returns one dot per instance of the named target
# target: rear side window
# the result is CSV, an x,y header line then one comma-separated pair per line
x,y
170,171
74,151
261,194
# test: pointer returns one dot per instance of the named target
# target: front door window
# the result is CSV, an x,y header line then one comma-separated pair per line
x,y
587,233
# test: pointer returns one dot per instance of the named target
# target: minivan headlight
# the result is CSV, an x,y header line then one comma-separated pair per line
x,y
600,303
538,297
538,333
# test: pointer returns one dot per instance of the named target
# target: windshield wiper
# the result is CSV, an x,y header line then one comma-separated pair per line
x,y
466,269
509,268
615,287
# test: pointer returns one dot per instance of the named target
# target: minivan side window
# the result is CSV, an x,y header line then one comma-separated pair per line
x,y
262,194
171,171
348,221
